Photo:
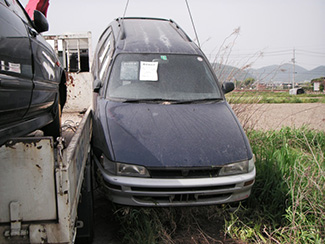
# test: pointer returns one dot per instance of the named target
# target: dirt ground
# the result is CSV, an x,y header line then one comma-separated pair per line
x,y
276,116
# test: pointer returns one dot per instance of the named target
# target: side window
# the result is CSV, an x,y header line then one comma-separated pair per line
x,y
104,56
17,9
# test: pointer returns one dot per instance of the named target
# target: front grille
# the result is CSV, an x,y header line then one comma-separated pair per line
x,y
184,173
182,198
175,189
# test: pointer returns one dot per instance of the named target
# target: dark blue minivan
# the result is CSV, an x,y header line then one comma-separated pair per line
x,y
164,134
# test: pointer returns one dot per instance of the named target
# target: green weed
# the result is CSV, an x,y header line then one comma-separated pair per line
x,y
253,97
287,201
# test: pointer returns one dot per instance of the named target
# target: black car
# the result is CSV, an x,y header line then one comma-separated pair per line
x,y
164,134
32,82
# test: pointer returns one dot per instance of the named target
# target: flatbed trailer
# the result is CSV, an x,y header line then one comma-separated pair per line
x,y
43,186
45,183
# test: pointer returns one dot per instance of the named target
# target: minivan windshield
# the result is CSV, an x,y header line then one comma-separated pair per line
x,y
173,77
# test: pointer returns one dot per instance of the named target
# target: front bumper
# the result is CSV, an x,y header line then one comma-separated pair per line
x,y
135,191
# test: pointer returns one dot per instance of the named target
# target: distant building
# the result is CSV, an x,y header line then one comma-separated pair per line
x,y
261,86
317,83
317,86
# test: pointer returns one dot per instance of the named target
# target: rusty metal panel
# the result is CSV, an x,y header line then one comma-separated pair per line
x,y
77,157
79,91
69,178
47,184
27,176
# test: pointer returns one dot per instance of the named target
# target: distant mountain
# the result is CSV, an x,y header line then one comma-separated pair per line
x,y
230,73
273,73
284,73
318,72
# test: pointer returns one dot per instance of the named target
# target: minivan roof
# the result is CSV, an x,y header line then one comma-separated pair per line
x,y
151,35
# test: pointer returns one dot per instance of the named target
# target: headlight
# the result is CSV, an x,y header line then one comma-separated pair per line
x,y
238,168
131,170
123,169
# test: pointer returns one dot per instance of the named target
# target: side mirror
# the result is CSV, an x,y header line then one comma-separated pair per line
x,y
228,87
97,85
40,22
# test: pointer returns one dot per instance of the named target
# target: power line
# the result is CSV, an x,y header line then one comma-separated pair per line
x,y
273,54
310,52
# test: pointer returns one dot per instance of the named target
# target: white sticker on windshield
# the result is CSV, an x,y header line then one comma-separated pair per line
x,y
148,71
129,70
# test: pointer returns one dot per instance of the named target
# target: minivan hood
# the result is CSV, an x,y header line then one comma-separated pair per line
x,y
175,135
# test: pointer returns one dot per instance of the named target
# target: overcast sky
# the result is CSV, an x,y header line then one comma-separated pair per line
x,y
269,30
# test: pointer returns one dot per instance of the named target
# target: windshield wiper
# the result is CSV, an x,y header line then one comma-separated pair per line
x,y
150,100
171,101
203,100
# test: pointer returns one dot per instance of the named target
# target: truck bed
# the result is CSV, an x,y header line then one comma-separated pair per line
x,y
70,122
42,181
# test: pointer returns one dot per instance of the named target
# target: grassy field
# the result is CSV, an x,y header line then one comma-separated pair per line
x,y
286,204
272,97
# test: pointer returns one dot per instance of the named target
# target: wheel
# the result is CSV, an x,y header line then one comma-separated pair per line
x,y
54,128
63,91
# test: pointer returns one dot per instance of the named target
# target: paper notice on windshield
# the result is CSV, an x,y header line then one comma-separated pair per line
x,y
129,70
148,71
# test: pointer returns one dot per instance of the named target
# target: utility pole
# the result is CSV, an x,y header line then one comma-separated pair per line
x,y
294,67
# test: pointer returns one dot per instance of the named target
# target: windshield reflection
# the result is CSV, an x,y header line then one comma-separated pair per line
x,y
165,77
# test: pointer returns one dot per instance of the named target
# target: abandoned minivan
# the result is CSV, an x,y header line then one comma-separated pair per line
x,y
164,134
